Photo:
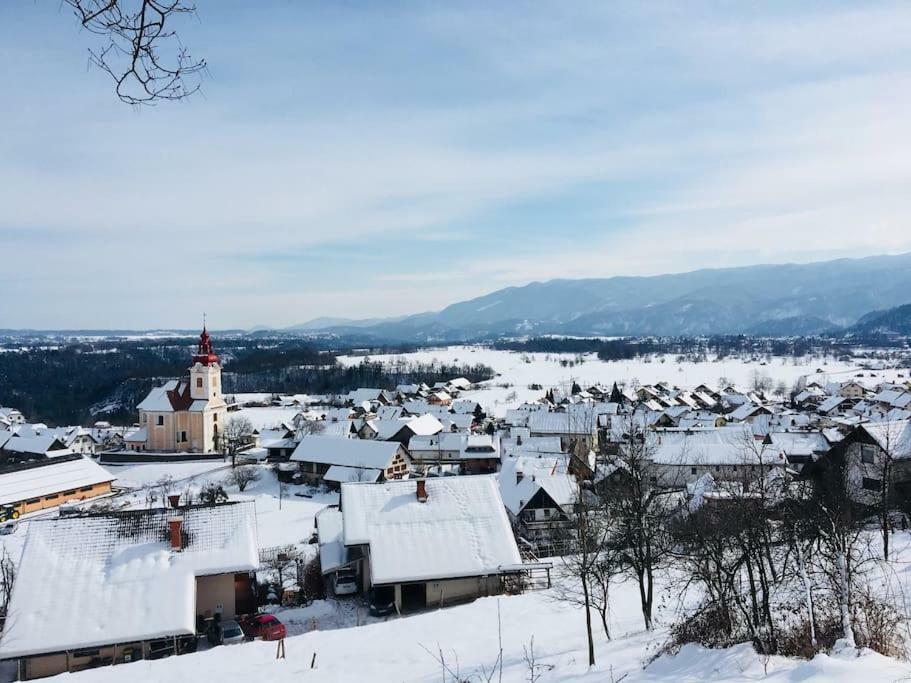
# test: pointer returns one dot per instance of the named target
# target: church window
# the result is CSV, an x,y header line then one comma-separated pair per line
x,y
215,417
183,436
160,420
199,382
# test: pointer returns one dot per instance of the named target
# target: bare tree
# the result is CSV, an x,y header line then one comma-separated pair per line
x,y
583,568
280,563
139,49
241,477
876,464
237,433
307,427
7,578
639,512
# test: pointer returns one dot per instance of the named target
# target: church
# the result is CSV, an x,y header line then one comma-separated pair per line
x,y
185,415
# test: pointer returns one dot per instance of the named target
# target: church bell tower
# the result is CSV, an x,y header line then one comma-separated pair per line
x,y
205,373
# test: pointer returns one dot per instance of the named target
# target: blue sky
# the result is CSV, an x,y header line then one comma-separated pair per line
x,y
369,159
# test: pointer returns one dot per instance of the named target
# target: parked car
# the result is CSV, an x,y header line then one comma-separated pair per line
x,y
9,528
265,626
226,632
345,582
381,601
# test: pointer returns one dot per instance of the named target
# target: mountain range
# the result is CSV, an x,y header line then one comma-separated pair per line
x,y
774,300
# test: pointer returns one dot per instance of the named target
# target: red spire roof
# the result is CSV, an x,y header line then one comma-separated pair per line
x,y
204,352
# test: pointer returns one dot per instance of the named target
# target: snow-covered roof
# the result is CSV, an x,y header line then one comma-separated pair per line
x,y
425,424
328,450
461,530
537,472
88,581
52,476
341,474
329,532
35,445
830,404
808,444
158,399
725,446
141,435
540,422
893,437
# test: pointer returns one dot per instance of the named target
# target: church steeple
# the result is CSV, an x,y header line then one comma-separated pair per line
x,y
205,354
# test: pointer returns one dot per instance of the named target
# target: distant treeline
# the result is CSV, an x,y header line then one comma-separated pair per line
x,y
718,345
79,383
338,378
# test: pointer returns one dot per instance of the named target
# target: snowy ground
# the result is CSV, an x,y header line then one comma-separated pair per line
x,y
394,650
516,371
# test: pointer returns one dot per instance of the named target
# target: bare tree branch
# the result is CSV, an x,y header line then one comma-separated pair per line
x,y
136,33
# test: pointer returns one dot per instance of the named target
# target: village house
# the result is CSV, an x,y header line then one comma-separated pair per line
x,y
852,389
16,448
325,458
108,589
431,542
471,453
184,415
49,482
799,448
10,417
729,454
540,496
577,429
870,452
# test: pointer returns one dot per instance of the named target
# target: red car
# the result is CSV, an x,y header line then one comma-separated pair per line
x,y
264,626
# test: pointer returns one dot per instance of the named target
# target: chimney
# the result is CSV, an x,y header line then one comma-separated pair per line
x,y
175,527
519,476
422,490
174,500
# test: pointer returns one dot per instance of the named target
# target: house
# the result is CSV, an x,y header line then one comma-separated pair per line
x,y
316,454
104,589
76,439
17,448
473,453
728,454
852,389
11,417
40,484
867,454
431,542
184,415
576,429
540,496
799,448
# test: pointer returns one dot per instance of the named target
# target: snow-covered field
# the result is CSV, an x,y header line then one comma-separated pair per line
x,y
394,650
516,371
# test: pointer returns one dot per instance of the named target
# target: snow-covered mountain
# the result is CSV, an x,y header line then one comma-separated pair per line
x,y
787,298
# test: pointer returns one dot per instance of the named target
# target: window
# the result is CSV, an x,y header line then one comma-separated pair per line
x,y
199,382
871,484
32,501
53,496
867,454
183,436
70,493
692,470
86,488
215,417
735,468
159,420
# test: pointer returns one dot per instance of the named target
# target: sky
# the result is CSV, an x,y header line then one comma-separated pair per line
x,y
369,159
